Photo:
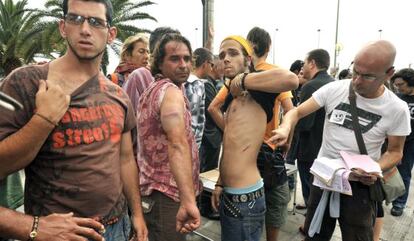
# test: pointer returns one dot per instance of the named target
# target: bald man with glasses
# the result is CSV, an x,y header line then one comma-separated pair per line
x,y
381,114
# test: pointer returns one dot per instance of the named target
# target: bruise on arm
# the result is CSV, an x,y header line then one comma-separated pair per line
x,y
179,156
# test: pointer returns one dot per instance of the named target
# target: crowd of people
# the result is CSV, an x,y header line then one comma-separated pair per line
x,y
119,157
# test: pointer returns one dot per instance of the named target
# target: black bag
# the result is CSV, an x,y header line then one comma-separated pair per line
x,y
375,191
271,165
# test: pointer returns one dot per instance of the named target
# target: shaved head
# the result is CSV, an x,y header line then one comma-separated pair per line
x,y
380,54
373,66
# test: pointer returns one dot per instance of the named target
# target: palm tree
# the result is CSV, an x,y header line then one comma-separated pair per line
x,y
47,30
16,48
125,15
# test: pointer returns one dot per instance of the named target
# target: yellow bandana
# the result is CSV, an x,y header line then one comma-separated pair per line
x,y
242,41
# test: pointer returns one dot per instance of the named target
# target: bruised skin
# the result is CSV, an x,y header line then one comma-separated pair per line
x,y
245,125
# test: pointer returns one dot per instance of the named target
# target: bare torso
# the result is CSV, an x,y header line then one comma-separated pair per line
x,y
245,125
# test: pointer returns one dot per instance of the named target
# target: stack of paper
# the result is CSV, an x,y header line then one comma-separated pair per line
x,y
331,174
340,183
362,162
325,169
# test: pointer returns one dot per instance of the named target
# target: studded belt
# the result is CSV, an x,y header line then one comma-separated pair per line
x,y
246,197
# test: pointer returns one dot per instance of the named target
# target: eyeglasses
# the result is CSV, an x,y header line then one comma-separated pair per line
x,y
92,21
369,77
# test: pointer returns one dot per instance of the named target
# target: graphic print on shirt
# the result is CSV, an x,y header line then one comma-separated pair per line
x,y
341,115
411,109
87,125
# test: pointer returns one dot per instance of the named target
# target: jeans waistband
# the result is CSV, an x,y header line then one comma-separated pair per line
x,y
246,197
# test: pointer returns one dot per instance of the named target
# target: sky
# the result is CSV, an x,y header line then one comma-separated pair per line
x,y
297,23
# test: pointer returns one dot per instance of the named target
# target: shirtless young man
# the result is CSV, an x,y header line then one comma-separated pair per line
x,y
248,108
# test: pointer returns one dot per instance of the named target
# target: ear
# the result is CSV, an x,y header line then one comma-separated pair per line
x,y
112,34
313,63
249,63
391,72
206,65
62,28
249,59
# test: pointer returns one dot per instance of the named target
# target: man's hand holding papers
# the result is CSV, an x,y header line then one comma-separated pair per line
x,y
363,168
335,174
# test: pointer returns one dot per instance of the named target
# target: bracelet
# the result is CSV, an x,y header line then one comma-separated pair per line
x,y
242,81
33,233
46,119
218,185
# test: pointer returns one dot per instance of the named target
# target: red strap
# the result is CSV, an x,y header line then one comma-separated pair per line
x,y
114,78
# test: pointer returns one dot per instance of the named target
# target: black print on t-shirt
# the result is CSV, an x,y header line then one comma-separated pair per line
x,y
366,119
411,109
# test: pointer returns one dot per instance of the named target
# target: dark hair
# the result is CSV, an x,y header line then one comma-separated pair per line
x,y
107,3
260,40
202,55
246,56
321,58
157,34
344,74
160,53
406,74
296,66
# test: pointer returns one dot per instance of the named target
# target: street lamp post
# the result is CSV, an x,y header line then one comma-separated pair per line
x,y
336,35
196,33
319,36
380,33
274,46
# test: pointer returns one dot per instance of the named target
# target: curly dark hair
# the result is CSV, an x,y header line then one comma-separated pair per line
x,y
406,74
160,53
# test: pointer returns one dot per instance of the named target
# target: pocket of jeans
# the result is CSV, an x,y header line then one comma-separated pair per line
x,y
256,208
254,221
229,209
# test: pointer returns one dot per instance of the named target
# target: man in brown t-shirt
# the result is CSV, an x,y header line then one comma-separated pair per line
x,y
73,135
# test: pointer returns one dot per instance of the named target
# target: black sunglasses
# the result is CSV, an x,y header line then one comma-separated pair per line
x,y
92,21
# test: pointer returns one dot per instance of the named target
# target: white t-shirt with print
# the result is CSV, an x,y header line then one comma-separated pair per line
x,y
378,117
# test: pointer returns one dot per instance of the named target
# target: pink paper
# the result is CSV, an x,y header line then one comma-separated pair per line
x,y
363,162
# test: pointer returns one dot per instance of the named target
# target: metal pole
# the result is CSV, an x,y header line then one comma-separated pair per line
x,y
205,21
336,35
274,47
319,36
208,18
380,33
195,42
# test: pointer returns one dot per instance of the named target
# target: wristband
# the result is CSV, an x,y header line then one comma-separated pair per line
x,y
45,118
242,81
33,233
219,185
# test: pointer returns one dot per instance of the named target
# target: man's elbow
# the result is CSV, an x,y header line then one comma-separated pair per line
x,y
292,81
399,156
212,108
288,82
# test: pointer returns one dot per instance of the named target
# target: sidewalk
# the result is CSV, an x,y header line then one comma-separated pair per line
x,y
395,228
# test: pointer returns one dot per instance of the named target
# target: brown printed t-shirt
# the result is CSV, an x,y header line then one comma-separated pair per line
x,y
78,168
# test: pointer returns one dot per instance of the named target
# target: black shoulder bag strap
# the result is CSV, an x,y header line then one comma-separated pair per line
x,y
355,122
375,190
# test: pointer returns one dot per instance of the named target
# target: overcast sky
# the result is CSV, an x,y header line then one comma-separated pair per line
x,y
297,22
